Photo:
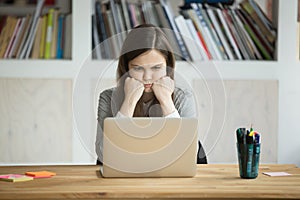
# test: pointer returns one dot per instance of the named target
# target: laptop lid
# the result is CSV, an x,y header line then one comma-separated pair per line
x,y
149,147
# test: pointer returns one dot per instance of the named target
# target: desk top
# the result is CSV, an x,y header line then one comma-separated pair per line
x,y
212,181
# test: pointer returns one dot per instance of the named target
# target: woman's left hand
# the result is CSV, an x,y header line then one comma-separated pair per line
x,y
163,89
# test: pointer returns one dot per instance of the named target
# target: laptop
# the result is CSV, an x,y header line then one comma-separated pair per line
x,y
149,147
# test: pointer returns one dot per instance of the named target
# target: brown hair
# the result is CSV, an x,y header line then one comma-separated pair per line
x,y
140,39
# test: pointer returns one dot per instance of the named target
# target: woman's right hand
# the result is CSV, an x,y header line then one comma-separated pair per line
x,y
133,90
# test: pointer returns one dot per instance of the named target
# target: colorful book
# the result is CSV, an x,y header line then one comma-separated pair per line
x,y
6,34
68,37
23,37
43,36
170,17
49,36
256,40
32,32
211,11
13,38
187,38
60,36
245,4
37,40
54,33
15,178
229,35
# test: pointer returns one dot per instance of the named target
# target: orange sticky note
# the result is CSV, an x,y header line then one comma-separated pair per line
x,y
41,174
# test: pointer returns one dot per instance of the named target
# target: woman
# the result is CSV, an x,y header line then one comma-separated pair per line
x,y
146,85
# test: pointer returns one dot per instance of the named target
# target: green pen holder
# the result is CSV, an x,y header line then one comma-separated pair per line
x,y
248,157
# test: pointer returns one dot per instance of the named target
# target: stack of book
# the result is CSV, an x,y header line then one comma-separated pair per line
x,y
201,31
35,35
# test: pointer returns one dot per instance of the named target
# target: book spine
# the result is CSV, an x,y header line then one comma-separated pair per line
x,y
49,34
251,11
43,36
226,24
13,38
219,49
184,53
59,47
206,34
196,38
220,33
187,38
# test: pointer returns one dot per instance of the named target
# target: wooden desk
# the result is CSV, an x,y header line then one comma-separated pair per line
x,y
211,182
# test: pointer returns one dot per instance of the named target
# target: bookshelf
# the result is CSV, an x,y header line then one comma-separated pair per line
x,y
285,69
80,53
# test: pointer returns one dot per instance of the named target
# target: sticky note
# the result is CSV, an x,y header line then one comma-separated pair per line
x,y
277,173
15,178
41,174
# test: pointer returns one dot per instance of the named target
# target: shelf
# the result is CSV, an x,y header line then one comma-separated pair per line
x,y
37,69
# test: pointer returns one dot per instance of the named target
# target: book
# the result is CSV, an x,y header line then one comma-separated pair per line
x,y
60,36
49,36
124,7
255,39
102,32
117,25
53,49
96,41
216,40
197,40
203,28
15,178
228,33
6,34
257,31
23,37
235,34
13,38
17,37
245,4
187,38
68,36
37,40
170,17
242,34
212,14
190,13
33,28
43,36
150,14
167,29
253,47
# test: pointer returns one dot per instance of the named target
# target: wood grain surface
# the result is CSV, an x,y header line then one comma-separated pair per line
x,y
211,182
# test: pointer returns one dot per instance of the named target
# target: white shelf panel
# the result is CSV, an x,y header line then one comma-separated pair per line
x,y
38,69
234,70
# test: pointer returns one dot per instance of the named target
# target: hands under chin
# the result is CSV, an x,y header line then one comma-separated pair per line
x,y
163,89
133,90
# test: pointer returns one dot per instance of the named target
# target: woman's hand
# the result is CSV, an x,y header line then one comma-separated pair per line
x,y
133,90
163,89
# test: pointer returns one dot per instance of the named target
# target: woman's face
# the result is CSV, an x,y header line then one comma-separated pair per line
x,y
148,68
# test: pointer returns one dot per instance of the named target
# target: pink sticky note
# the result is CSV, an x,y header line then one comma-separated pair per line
x,y
277,173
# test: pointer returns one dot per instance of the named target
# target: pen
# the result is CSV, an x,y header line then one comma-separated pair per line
x,y
249,141
240,135
257,137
